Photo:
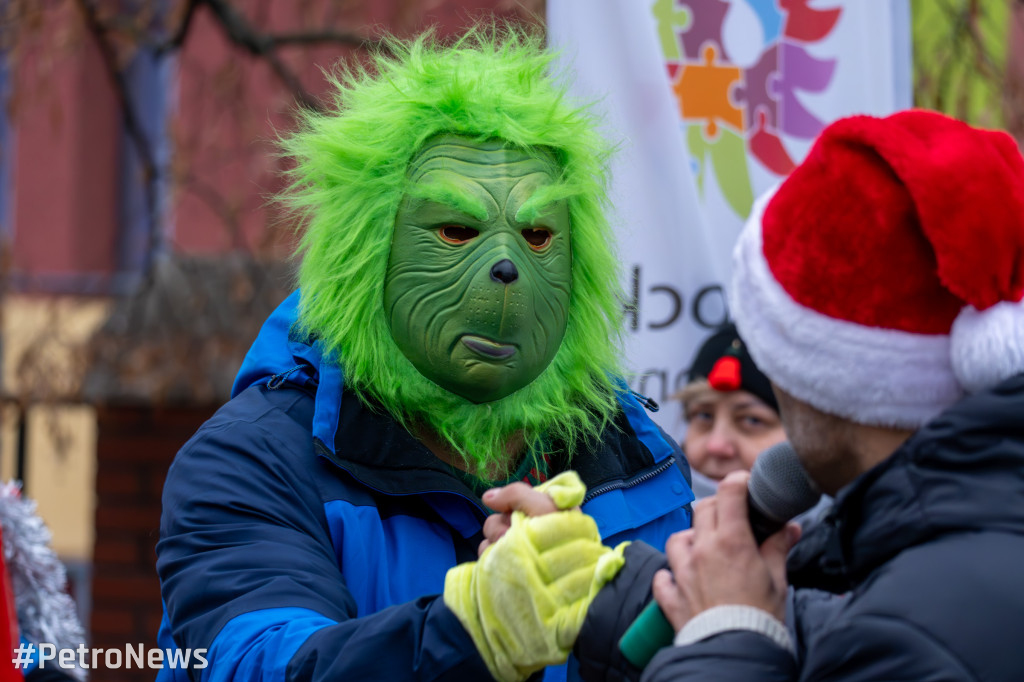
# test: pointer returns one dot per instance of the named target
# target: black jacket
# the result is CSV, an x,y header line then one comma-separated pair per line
x,y
927,550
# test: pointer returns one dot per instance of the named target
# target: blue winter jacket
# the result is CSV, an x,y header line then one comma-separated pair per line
x,y
927,549
306,537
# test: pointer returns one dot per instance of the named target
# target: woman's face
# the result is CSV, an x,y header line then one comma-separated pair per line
x,y
726,431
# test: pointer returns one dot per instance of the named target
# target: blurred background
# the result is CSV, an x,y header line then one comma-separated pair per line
x,y
139,253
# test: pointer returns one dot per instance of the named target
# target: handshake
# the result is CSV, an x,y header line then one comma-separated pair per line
x,y
524,601
543,569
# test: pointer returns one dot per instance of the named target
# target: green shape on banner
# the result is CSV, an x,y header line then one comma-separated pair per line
x,y
669,18
727,155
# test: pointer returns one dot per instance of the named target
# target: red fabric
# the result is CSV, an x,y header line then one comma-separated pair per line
x,y
890,222
9,635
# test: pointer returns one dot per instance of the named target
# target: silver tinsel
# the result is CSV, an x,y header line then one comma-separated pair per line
x,y
46,612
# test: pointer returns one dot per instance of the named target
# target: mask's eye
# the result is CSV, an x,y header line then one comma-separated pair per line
x,y
537,237
457,234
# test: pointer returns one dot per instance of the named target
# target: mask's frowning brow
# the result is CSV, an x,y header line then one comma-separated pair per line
x,y
533,207
439,191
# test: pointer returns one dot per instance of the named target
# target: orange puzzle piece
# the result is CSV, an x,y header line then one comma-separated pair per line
x,y
703,93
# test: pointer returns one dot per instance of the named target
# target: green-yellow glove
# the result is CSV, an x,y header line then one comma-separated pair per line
x,y
523,603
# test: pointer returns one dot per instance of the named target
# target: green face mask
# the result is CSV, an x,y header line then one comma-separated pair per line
x,y
478,280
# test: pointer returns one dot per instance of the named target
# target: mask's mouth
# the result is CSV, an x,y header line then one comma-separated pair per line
x,y
487,348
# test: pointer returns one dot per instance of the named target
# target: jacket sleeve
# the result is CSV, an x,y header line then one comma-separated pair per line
x,y
248,572
881,647
745,655
735,656
865,648
611,613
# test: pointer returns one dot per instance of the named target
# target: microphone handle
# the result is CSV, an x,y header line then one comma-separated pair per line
x,y
647,635
651,631
763,526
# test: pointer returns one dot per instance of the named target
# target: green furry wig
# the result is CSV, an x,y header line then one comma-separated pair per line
x,y
349,178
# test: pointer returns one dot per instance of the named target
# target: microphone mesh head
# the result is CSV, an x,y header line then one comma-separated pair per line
x,y
779,487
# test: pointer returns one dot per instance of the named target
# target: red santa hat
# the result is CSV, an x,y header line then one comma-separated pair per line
x,y
884,277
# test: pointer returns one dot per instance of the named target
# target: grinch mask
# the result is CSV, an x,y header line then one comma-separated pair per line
x,y
479,275
414,137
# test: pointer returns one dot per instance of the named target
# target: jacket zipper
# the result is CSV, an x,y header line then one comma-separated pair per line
x,y
660,468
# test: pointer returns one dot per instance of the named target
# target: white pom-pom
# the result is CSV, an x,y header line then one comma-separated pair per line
x,y
987,346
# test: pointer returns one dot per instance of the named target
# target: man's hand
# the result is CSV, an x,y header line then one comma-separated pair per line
x,y
514,497
717,561
563,492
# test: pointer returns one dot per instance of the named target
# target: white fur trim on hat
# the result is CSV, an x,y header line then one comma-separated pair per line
x,y
870,375
987,346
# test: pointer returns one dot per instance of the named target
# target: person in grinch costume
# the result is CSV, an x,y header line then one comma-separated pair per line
x,y
456,328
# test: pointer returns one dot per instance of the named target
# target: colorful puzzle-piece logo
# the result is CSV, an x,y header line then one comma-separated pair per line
x,y
730,111
703,93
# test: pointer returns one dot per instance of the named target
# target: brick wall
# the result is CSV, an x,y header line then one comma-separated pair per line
x,y
135,446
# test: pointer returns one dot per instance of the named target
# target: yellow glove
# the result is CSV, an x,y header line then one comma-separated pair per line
x,y
566,490
523,603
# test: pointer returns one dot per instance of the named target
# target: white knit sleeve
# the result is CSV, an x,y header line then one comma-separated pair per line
x,y
721,619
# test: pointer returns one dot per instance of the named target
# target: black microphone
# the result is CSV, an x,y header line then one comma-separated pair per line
x,y
779,490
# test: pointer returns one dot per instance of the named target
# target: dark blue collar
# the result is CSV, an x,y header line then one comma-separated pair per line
x,y
371,446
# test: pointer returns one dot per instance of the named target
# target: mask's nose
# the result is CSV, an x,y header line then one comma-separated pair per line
x,y
504,271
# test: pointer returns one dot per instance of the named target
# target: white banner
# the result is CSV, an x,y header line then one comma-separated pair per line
x,y
712,102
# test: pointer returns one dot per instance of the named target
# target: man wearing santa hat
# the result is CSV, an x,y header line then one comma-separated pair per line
x,y
880,289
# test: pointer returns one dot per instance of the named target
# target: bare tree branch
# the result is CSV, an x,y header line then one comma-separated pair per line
x,y
178,38
322,38
132,124
117,78
206,193
241,33
984,60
